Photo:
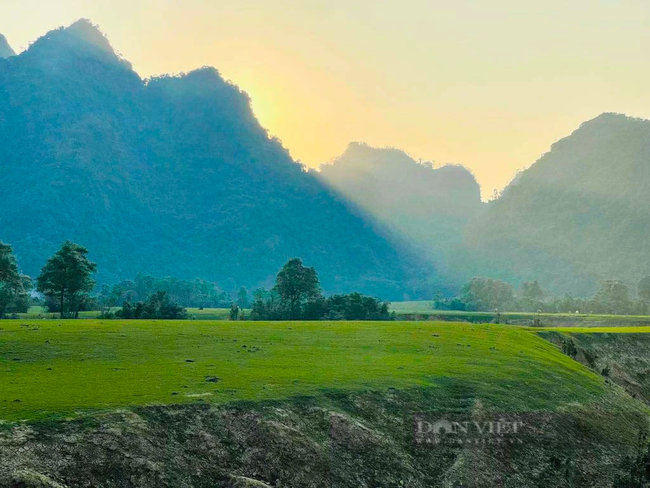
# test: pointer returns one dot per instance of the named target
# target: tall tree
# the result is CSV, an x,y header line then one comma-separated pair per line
x,y
614,295
644,289
242,298
296,284
12,289
67,276
487,294
531,291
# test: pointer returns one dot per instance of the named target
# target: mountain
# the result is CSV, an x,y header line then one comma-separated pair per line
x,y
429,206
5,48
168,176
578,216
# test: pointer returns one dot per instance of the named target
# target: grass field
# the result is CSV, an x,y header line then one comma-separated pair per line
x,y
422,310
53,368
35,313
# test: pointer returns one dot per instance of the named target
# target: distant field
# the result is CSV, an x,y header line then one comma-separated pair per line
x,y
422,310
53,368
192,313
423,306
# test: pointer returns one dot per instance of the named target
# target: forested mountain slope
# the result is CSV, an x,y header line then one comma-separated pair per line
x,y
579,215
5,48
429,206
168,176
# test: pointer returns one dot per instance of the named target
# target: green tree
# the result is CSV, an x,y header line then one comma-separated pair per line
x,y
67,276
242,298
614,297
531,291
487,294
644,289
234,311
12,285
296,284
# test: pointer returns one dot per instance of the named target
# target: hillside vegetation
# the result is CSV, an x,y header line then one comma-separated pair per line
x,y
429,206
170,176
576,217
5,48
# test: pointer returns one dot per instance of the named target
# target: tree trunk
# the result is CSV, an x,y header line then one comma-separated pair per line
x,y
62,296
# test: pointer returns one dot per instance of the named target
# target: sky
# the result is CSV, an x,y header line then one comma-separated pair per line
x,y
486,84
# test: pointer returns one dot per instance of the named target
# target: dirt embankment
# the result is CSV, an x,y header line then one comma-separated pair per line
x,y
622,358
353,440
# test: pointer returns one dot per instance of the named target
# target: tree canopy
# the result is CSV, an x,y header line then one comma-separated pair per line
x,y
67,276
296,284
644,289
297,296
13,296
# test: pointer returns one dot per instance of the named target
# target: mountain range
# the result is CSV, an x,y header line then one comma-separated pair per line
x,y
174,175
171,175
578,216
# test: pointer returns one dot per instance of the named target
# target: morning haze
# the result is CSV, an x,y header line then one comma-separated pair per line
x,y
488,85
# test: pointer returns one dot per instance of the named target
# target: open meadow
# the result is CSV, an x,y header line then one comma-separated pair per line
x,y
209,399
54,368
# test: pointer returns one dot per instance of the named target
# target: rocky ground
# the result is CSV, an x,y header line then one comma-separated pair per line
x,y
334,440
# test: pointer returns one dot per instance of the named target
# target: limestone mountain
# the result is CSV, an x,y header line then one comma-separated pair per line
x,y
429,206
5,49
172,175
579,215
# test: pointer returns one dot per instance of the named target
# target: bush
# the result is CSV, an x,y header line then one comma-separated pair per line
x,y
158,306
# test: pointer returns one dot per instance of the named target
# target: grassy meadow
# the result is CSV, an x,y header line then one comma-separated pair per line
x,y
57,368
37,312
423,310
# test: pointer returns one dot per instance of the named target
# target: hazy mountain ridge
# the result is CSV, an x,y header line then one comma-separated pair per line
x,y
429,206
577,216
172,175
5,48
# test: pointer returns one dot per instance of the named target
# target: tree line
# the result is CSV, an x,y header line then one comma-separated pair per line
x,y
190,293
297,295
66,284
488,294
65,281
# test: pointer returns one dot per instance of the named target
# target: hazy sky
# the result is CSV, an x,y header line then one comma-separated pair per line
x,y
487,84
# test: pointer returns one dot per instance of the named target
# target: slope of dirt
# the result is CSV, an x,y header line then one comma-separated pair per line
x,y
335,440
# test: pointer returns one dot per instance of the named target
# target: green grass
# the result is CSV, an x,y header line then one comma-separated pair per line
x,y
60,367
596,330
422,310
422,306
211,313
192,313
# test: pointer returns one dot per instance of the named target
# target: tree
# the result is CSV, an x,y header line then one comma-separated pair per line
x,y
12,285
242,298
296,284
234,311
487,294
644,289
158,306
614,296
531,291
67,276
